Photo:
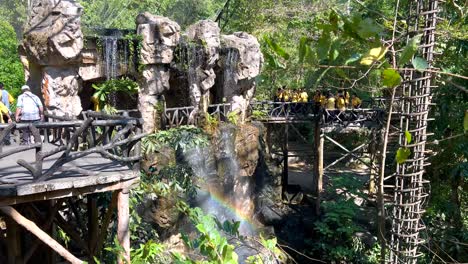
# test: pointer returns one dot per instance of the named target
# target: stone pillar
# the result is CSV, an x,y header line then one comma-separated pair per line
x,y
242,62
203,44
160,36
51,52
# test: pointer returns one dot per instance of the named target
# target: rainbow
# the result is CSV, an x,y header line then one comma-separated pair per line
x,y
247,223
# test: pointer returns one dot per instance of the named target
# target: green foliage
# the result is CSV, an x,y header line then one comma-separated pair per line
x,y
420,64
121,14
11,69
124,85
408,137
410,50
175,179
183,138
402,155
259,114
211,242
391,78
14,13
272,246
336,229
148,252
233,117
62,236
211,123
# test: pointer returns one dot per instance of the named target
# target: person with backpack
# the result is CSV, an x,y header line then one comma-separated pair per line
x,y
5,97
5,111
29,109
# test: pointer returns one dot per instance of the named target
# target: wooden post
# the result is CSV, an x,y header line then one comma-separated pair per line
x,y
284,180
318,181
123,232
43,236
92,225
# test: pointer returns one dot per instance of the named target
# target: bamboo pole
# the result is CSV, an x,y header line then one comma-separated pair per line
x,y
123,232
319,170
43,236
380,194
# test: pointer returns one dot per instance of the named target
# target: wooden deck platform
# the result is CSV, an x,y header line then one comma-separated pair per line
x,y
89,174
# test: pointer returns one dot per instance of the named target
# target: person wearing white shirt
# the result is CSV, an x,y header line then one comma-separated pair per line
x,y
29,109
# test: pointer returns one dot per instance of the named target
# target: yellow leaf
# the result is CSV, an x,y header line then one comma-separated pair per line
x,y
374,54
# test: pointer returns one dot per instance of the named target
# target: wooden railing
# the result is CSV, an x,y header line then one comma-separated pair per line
x,y
115,137
268,111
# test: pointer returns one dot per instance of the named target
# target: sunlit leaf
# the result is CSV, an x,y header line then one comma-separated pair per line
x,y
391,78
373,55
402,155
408,137
420,64
409,50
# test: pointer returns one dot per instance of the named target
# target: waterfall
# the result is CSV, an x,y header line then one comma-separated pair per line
x,y
110,57
217,172
230,68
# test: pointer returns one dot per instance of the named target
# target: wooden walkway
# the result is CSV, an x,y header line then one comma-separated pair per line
x,y
69,158
89,174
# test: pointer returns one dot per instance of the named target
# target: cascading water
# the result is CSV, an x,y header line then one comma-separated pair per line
x,y
230,65
111,59
218,176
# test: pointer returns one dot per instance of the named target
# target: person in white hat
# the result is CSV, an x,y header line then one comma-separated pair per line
x,y
29,109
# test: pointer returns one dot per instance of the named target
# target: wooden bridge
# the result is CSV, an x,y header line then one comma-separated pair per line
x,y
284,112
284,118
68,158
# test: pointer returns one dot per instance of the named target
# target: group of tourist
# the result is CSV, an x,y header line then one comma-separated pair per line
x,y
341,101
291,95
29,109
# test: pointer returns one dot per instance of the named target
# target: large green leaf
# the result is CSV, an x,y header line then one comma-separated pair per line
x,y
402,155
273,61
391,78
334,50
420,64
276,48
303,42
409,51
408,136
323,46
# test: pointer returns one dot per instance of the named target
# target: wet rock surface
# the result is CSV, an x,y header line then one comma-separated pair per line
x,y
203,47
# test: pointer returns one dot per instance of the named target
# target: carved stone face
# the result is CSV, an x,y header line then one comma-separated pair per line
x,y
53,35
160,36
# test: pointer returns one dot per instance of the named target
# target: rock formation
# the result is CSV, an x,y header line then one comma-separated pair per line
x,y
241,62
51,49
203,45
160,36
200,59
